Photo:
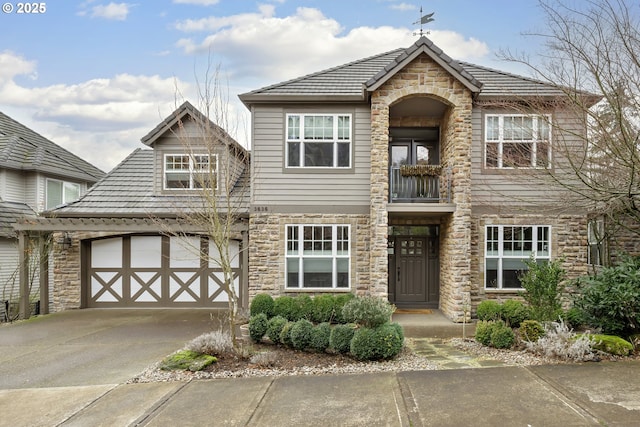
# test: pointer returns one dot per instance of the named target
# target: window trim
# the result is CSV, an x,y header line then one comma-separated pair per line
x,y
335,141
500,141
192,171
64,201
301,257
500,256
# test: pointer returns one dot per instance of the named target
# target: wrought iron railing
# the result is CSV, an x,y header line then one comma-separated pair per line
x,y
419,188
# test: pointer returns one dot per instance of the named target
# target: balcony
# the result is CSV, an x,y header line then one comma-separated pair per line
x,y
419,184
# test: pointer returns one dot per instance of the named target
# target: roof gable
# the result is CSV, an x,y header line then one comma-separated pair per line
x,y
424,46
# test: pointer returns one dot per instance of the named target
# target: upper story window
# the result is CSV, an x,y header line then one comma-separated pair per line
x,y
61,192
184,171
318,141
517,141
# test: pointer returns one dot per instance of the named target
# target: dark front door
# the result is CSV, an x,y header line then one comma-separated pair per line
x,y
416,271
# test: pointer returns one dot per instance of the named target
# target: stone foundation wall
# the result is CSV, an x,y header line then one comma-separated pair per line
x,y
267,244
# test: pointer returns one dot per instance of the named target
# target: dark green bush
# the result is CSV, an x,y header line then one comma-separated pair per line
x,y
399,329
502,336
368,311
483,331
573,317
320,336
340,338
340,301
323,308
514,312
301,334
610,300
543,285
258,326
305,306
383,342
285,334
286,307
489,310
262,303
531,330
274,328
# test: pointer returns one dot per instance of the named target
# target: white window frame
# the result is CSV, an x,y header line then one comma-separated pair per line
x,y
500,256
299,255
192,171
65,197
335,140
535,139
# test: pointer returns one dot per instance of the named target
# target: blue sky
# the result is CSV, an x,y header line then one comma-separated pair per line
x,y
95,76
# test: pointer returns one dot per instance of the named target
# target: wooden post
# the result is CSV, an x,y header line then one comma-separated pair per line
x,y
44,273
23,265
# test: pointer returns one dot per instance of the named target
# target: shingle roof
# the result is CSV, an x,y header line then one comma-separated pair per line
x,y
10,213
23,149
350,81
128,191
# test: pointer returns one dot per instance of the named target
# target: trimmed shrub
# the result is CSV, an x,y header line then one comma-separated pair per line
x,y
514,312
305,306
258,326
262,303
543,285
611,344
489,310
382,342
340,338
285,334
301,334
483,331
368,311
286,307
323,308
274,328
531,330
610,300
574,317
340,301
320,336
502,336
399,329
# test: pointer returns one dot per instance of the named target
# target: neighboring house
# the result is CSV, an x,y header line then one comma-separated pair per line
x,y
116,246
407,175
35,175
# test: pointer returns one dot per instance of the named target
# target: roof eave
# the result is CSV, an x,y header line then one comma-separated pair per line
x,y
249,99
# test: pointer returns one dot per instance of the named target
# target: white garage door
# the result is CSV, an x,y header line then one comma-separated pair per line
x,y
156,271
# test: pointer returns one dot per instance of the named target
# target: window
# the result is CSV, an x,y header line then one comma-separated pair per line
x,y
595,241
506,249
517,141
61,192
317,256
183,171
318,141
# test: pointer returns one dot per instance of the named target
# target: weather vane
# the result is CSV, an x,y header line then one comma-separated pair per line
x,y
424,19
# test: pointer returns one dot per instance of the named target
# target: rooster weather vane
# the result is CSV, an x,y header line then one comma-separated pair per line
x,y
424,19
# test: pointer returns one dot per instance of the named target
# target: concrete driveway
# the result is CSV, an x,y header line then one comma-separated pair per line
x,y
94,346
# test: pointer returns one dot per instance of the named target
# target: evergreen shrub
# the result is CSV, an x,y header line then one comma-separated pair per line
x,y
262,303
274,328
489,310
531,330
340,337
301,334
323,308
514,312
502,336
285,334
258,326
340,301
286,307
368,311
320,337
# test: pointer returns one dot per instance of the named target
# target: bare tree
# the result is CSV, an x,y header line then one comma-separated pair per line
x,y
592,55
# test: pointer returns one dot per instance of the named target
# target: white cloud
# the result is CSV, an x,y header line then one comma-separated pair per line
x,y
197,2
12,64
403,7
112,11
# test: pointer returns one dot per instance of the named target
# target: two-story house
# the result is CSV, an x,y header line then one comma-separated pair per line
x,y
407,175
35,175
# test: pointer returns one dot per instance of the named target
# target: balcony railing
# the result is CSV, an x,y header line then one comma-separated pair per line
x,y
419,188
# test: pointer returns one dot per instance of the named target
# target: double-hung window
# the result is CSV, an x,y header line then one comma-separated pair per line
x,y
61,192
318,141
517,141
506,249
184,171
318,256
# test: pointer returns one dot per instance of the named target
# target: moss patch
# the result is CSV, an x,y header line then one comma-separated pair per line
x,y
187,360
611,344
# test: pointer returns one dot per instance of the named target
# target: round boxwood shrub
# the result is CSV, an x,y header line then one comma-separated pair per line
x,y
340,338
285,334
368,311
383,342
258,326
340,301
262,303
305,307
286,307
320,336
489,310
483,331
301,334
514,312
323,308
531,330
274,328
502,336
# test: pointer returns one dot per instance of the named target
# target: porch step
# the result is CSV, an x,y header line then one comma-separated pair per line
x,y
432,325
